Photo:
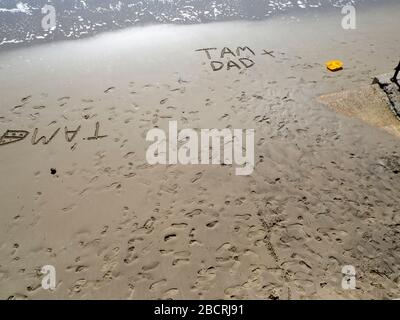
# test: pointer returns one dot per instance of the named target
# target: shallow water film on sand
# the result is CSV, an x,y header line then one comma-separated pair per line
x,y
255,156
21,20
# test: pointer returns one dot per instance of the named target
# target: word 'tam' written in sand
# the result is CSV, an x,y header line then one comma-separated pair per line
x,y
13,136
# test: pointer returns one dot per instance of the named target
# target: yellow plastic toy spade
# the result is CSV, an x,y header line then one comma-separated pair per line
x,y
334,65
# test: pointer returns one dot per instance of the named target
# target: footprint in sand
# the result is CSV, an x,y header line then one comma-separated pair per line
x,y
109,90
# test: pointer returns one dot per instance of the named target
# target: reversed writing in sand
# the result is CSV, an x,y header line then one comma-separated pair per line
x,y
12,136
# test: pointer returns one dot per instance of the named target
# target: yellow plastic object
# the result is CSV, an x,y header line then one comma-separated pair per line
x,y
334,65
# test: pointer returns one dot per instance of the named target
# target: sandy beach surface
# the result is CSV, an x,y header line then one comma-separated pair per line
x,y
324,192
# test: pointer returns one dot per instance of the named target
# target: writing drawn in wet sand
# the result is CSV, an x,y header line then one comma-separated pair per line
x,y
238,58
12,136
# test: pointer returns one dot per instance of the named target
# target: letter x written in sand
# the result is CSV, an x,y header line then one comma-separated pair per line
x,y
270,53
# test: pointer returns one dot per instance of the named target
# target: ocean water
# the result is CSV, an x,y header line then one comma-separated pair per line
x,y
27,21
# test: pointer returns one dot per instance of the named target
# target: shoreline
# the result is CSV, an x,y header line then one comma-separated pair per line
x,y
298,13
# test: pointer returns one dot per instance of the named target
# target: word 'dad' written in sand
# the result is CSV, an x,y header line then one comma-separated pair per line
x,y
70,135
239,58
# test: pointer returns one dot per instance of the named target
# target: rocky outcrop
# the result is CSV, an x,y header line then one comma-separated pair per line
x,y
391,89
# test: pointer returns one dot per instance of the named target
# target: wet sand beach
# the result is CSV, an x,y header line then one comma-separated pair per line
x,y
324,192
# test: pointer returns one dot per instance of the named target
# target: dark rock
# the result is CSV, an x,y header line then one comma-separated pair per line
x,y
392,91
